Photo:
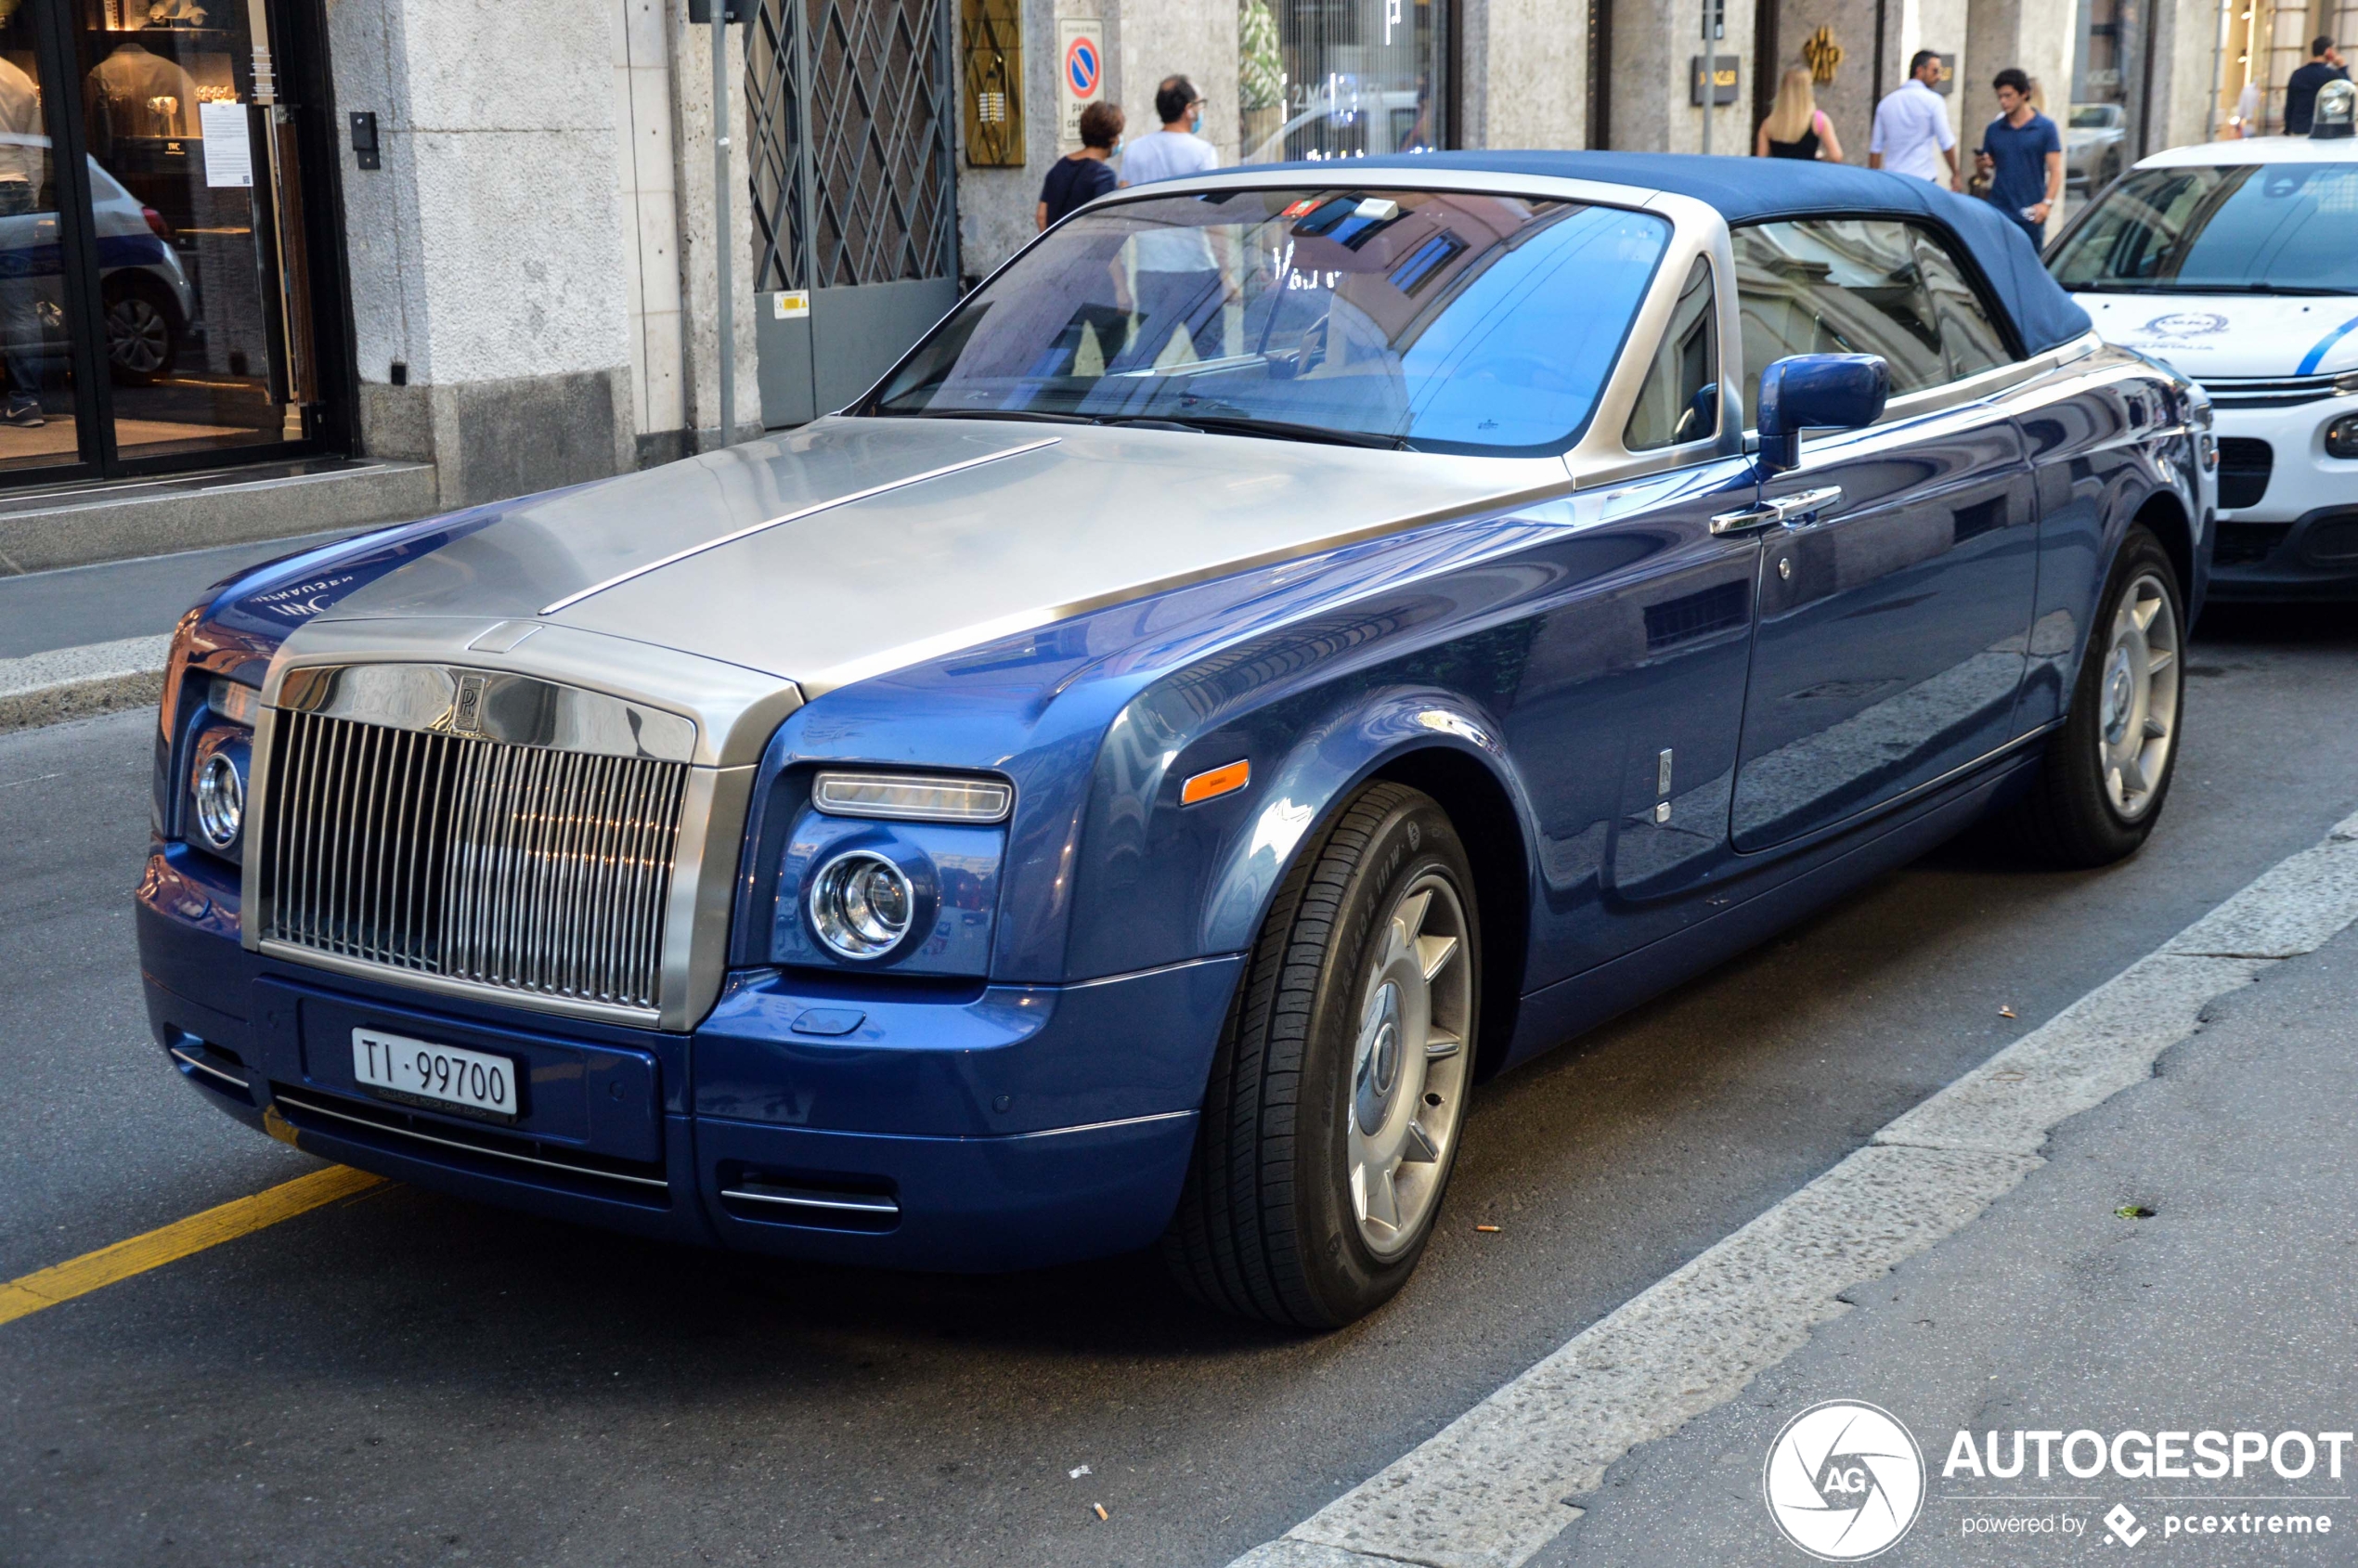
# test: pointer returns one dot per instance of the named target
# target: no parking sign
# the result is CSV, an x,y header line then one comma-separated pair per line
x,y
1080,72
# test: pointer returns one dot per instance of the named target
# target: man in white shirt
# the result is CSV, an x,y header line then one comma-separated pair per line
x,y
24,154
1912,134
1178,278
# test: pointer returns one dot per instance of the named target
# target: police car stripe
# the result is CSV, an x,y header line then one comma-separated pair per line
x,y
2309,364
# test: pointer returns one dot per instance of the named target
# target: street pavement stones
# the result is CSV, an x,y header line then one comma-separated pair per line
x,y
1493,1488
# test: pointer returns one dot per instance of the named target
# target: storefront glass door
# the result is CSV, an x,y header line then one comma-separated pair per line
x,y
36,329
153,298
180,183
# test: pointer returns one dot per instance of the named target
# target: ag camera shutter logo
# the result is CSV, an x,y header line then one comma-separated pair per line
x,y
1844,1481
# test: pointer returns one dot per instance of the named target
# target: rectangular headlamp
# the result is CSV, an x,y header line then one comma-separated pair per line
x,y
914,797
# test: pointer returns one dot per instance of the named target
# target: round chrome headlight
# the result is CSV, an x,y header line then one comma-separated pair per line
x,y
221,801
861,904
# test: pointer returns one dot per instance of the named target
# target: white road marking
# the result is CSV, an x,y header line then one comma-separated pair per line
x,y
1497,1484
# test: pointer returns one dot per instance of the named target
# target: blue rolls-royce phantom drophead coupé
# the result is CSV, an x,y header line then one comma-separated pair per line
x,y
1291,646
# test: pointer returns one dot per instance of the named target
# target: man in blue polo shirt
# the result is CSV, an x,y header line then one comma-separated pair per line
x,y
2022,152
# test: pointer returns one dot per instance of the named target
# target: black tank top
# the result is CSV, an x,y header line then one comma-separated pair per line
x,y
1806,148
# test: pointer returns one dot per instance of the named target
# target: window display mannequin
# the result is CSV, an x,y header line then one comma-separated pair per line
x,y
133,93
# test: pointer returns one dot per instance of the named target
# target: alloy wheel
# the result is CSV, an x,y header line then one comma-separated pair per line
x,y
1410,1066
2137,721
138,338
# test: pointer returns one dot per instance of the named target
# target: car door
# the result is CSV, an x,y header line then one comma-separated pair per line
x,y
1893,613
1629,698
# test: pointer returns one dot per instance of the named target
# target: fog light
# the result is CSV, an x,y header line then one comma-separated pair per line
x,y
861,903
221,801
2341,437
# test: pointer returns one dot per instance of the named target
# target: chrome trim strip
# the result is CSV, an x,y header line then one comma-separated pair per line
x,y
880,1206
1141,974
442,984
470,1148
492,705
212,1071
1101,1126
677,556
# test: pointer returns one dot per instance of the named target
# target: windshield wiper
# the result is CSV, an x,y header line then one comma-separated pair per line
x,y
1277,430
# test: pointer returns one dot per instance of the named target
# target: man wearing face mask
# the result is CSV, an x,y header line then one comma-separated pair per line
x,y
1177,277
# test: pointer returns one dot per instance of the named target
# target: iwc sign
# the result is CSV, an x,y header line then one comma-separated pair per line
x,y
1844,1481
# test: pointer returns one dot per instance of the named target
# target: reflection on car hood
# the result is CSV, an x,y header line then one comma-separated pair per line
x,y
883,559
2207,335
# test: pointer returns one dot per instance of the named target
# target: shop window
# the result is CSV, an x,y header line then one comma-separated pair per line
x,y
1319,79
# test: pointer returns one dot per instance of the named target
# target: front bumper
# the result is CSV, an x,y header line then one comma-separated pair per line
x,y
2299,540
990,1128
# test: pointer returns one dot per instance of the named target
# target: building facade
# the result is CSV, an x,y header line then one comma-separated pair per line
x,y
484,239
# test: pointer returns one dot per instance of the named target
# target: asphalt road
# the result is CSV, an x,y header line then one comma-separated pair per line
x,y
407,1378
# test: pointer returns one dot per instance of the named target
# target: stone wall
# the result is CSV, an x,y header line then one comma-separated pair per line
x,y
481,259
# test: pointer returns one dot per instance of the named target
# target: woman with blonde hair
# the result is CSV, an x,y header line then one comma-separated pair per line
x,y
1795,127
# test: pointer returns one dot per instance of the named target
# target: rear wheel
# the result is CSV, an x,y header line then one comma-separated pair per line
x,y
143,336
2108,769
1337,1090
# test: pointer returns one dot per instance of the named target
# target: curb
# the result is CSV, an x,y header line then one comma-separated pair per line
x,y
82,683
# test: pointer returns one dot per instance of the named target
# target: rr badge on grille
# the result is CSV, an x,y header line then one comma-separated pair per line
x,y
466,708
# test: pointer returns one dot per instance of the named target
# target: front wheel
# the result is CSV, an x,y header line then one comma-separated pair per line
x,y
2107,769
1337,1090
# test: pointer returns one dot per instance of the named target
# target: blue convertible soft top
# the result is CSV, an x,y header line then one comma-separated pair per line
x,y
1757,189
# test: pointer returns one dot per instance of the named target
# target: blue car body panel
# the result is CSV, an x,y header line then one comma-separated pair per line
x,y
1661,741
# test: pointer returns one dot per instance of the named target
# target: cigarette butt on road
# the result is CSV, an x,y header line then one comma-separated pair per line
x,y
1100,1509
2005,1012
1487,1230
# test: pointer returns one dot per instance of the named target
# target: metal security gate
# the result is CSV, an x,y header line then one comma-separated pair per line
x,y
849,111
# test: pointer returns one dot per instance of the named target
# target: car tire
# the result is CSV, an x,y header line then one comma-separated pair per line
x,y
2096,795
1320,1160
143,334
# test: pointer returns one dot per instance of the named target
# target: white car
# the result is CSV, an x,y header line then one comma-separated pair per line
x,y
2092,146
2237,262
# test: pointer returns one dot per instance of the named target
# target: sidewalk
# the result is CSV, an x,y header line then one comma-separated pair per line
x,y
90,640
2230,1309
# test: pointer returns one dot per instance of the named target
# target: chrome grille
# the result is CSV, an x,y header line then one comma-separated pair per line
x,y
516,867
2263,392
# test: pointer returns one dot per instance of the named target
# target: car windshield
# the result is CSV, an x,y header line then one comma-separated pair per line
x,y
2250,228
2092,116
1433,320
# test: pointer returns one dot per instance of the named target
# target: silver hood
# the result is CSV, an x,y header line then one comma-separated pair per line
x,y
856,546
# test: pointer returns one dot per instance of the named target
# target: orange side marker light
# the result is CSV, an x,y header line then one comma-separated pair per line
x,y
1216,782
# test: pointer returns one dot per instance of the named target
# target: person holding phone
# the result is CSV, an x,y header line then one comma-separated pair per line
x,y
2022,153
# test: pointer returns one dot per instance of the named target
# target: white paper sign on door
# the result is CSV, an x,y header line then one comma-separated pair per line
x,y
228,145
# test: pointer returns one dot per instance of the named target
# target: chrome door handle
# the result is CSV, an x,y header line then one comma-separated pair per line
x,y
1792,512
1802,507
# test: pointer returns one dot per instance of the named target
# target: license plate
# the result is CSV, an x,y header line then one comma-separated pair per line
x,y
438,1075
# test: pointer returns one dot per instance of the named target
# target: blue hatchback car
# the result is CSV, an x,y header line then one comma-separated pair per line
x,y
1291,646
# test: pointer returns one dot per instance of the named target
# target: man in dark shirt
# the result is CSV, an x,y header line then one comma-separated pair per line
x,y
2022,152
2301,93
1079,178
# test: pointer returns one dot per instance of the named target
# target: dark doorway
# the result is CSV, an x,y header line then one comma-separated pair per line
x,y
1767,62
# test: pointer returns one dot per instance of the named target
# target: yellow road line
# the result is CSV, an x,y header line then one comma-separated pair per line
x,y
92,1271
